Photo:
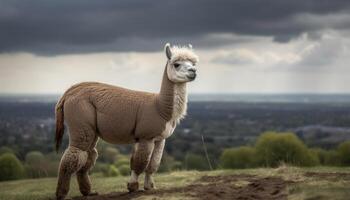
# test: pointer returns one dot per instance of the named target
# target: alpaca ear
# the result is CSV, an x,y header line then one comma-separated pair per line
x,y
168,51
190,46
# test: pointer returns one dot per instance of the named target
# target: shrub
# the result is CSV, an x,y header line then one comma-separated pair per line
x,y
53,161
53,156
52,168
168,164
36,165
34,158
101,167
332,158
193,161
241,157
344,153
275,148
113,171
10,167
124,170
313,158
327,158
110,154
5,149
122,160
321,155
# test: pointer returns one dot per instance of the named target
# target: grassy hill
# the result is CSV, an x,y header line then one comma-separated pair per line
x,y
280,183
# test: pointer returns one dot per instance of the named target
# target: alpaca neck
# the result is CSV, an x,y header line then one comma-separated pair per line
x,y
180,102
172,99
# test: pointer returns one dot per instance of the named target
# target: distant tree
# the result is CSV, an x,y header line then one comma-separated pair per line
x,y
332,158
53,156
313,158
122,160
10,167
276,148
101,167
53,160
241,157
344,153
34,158
110,154
36,165
327,157
52,168
169,163
197,162
5,149
321,155
123,164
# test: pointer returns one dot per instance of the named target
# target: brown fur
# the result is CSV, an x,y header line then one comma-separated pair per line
x,y
117,115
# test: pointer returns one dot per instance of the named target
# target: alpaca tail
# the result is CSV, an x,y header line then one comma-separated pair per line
x,y
59,122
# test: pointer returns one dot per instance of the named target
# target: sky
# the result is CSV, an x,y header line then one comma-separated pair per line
x,y
244,46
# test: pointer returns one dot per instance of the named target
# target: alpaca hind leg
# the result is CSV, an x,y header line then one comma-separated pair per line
x,y
154,163
83,174
80,116
139,160
72,160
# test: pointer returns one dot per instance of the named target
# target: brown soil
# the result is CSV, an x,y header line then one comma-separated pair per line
x,y
240,187
328,175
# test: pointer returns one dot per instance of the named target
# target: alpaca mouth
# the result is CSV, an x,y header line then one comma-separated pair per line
x,y
191,76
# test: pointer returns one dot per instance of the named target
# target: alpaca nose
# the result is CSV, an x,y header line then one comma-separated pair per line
x,y
192,74
193,70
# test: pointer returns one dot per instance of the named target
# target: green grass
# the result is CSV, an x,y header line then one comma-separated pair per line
x,y
304,187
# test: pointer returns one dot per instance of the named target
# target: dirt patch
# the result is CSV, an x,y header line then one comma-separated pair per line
x,y
223,187
214,187
328,175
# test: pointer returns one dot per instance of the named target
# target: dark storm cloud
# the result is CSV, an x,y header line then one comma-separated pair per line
x,y
56,27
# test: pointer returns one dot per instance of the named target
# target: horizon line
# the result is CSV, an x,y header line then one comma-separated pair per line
x,y
204,93
200,93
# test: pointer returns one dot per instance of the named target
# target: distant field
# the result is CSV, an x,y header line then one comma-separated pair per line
x,y
281,183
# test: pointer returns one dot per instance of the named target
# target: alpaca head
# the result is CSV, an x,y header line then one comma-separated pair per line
x,y
182,62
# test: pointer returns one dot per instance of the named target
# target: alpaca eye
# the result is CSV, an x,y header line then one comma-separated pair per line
x,y
176,65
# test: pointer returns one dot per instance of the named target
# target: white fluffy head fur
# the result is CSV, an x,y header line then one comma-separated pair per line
x,y
182,53
182,62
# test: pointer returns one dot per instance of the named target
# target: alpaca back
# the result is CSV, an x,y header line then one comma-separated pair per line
x,y
116,108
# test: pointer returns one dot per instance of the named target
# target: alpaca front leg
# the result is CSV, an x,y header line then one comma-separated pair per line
x,y
154,164
139,160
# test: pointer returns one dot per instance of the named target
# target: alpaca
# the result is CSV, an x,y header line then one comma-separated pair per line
x,y
121,116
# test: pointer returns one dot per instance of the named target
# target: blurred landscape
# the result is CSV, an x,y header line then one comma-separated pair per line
x,y
305,130
225,121
27,121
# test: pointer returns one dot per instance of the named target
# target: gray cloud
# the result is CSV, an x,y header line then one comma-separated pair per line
x,y
326,53
57,27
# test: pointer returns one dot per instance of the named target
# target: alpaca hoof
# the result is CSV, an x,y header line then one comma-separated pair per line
x,y
149,186
60,197
92,194
133,187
